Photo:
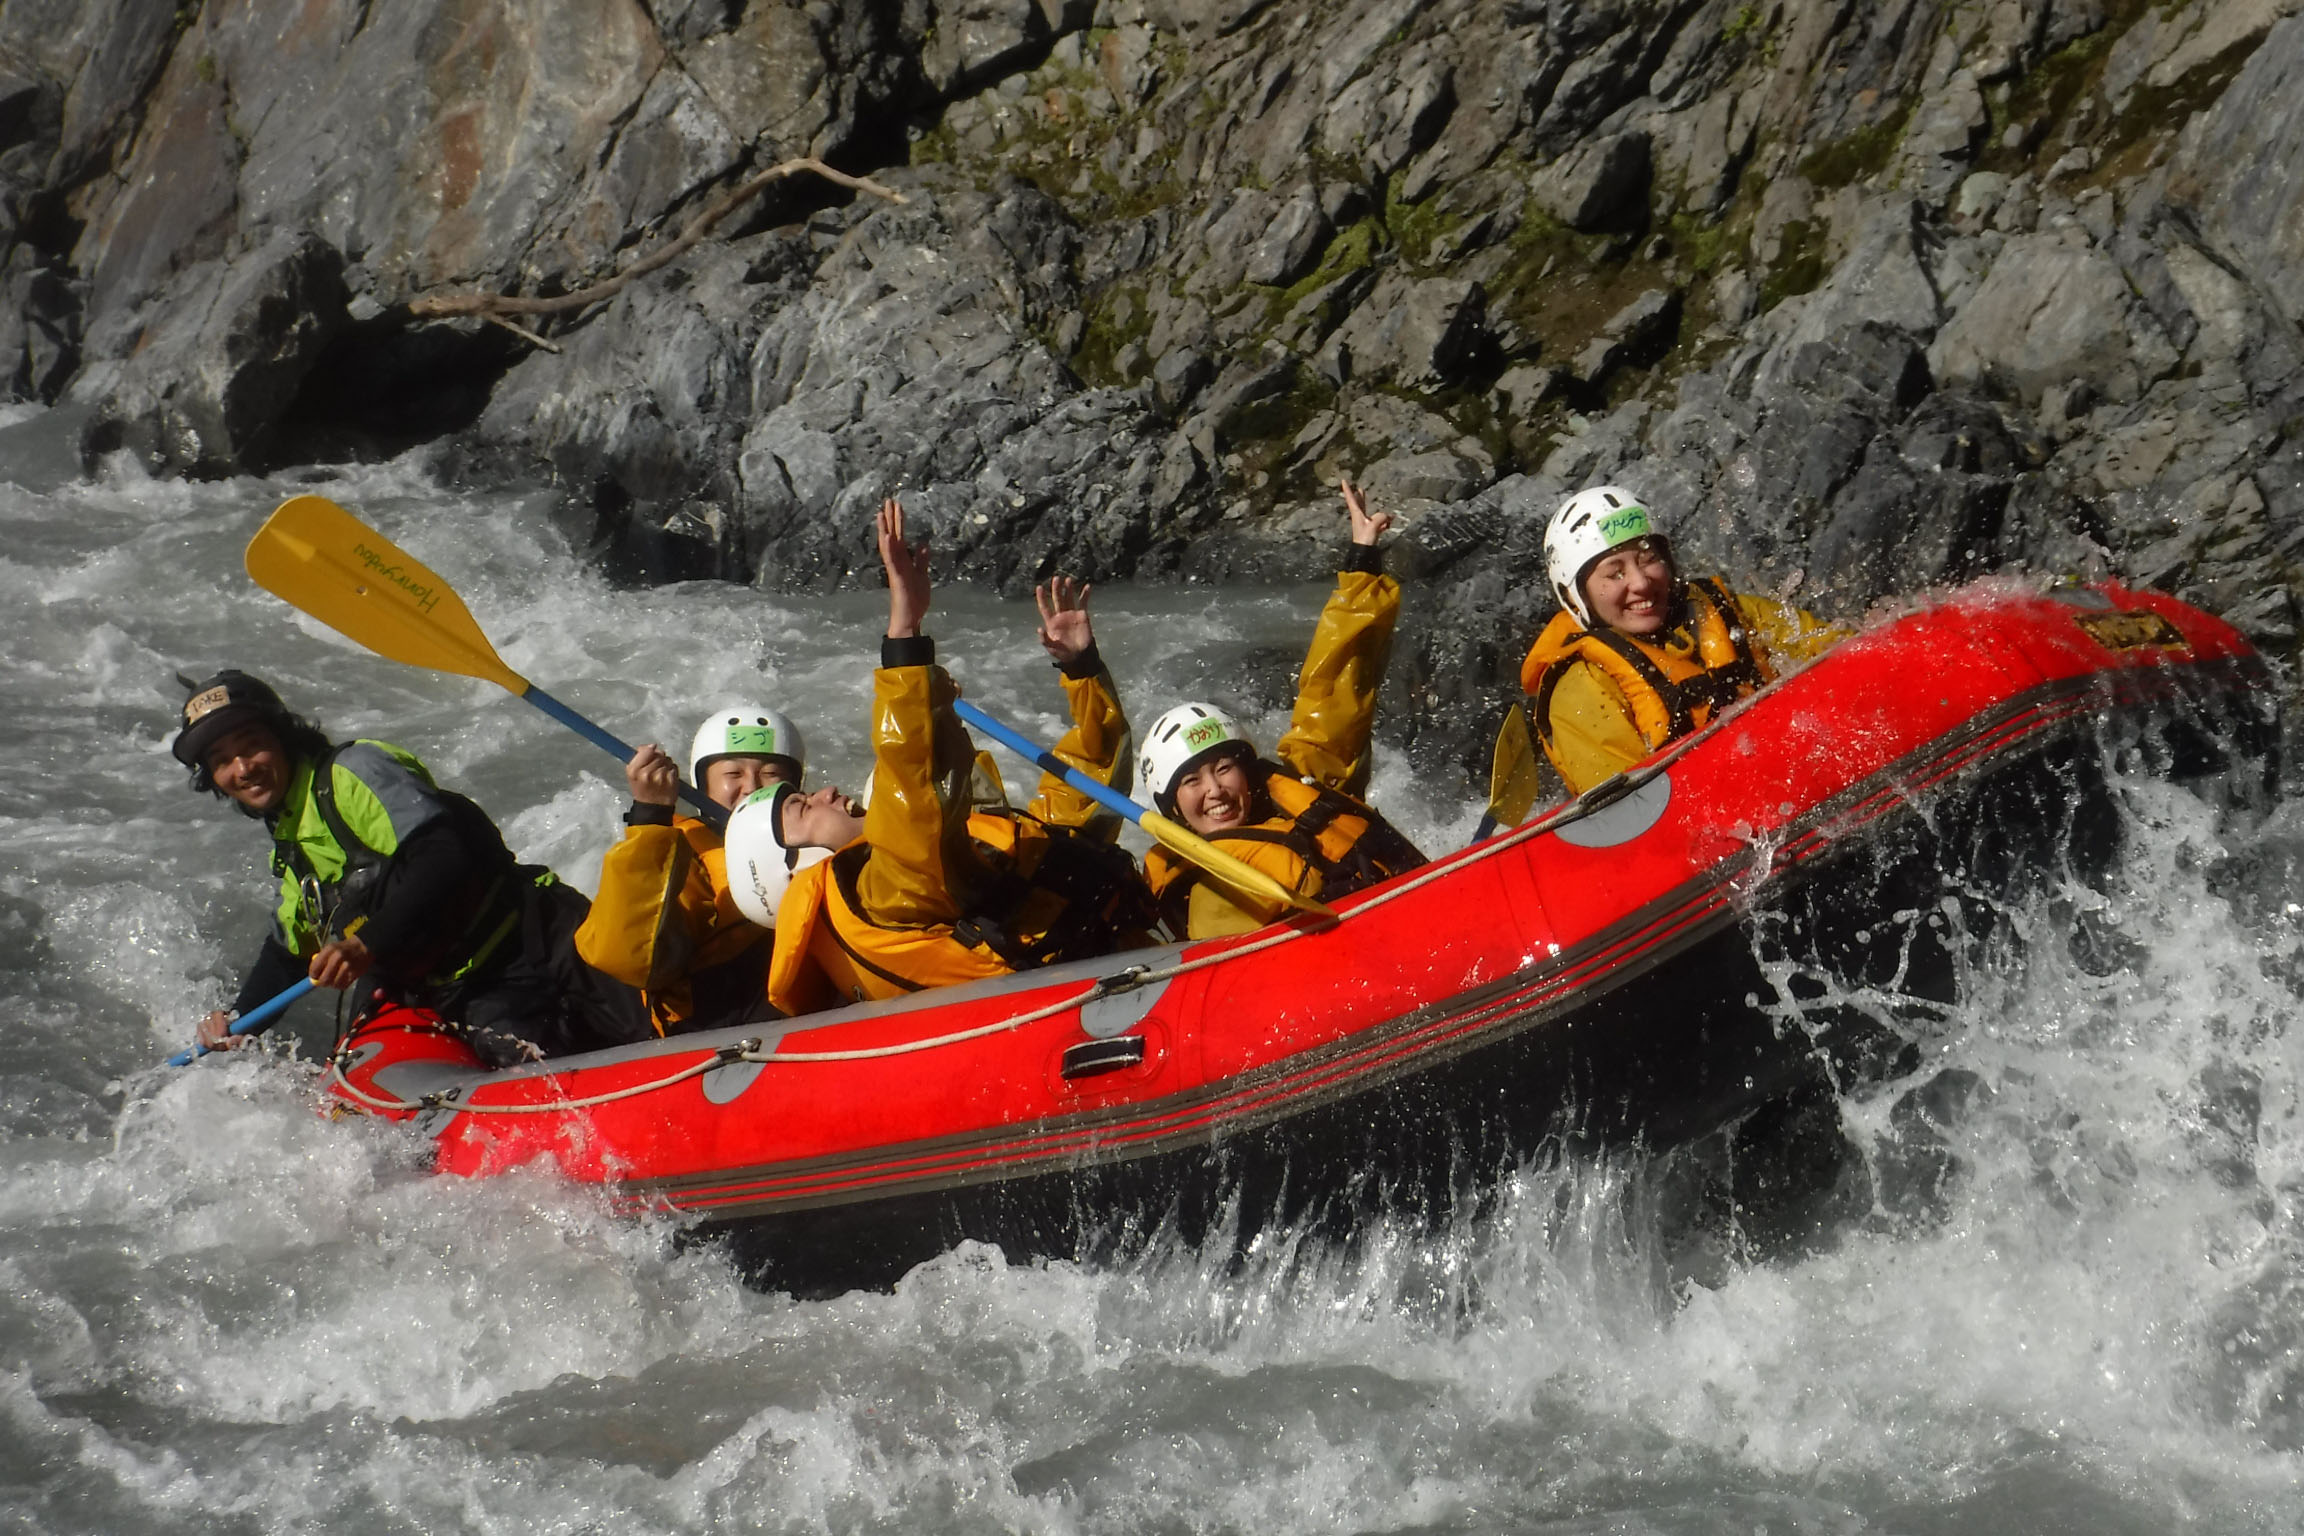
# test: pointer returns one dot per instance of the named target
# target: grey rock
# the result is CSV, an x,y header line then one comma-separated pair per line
x,y
978,41
2054,308
1941,143
2234,327
39,328
1207,16
2069,21
1601,185
1600,80
1246,382
1522,389
2235,170
2115,349
1419,333
1290,243
1638,333
1442,475
90,66
1127,61
1178,377
1384,119
228,349
1705,148
1979,197
1884,279
2019,211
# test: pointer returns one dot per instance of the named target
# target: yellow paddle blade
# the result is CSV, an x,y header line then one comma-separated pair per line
x,y
1513,783
1244,879
322,559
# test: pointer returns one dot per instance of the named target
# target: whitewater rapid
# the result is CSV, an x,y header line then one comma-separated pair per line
x,y
220,1311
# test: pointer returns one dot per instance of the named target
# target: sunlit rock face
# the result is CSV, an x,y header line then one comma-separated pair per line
x,y
1860,298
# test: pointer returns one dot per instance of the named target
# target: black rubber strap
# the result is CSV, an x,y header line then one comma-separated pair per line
x,y
907,651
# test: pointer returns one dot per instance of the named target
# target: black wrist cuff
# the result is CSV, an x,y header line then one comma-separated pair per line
x,y
642,815
907,651
1086,664
1364,557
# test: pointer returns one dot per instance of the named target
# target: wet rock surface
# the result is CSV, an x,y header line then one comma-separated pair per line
x,y
1863,299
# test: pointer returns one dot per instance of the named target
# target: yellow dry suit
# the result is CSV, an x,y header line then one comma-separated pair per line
x,y
938,891
1604,700
664,921
1317,836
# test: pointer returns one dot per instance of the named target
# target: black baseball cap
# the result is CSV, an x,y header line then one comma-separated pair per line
x,y
218,706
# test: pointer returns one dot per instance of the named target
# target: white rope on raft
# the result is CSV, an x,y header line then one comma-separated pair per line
x,y
1127,981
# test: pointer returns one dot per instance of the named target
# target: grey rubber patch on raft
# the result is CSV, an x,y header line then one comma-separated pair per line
x,y
1621,820
1103,1017
726,1083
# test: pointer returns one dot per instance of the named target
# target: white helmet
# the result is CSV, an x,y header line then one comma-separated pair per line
x,y
1587,526
745,730
760,867
1177,741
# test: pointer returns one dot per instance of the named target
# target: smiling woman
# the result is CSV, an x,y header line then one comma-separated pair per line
x,y
1300,820
1637,657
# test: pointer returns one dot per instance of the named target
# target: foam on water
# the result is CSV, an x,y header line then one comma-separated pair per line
x,y
220,1310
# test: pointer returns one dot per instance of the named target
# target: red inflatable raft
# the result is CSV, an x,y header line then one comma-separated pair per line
x,y
1616,968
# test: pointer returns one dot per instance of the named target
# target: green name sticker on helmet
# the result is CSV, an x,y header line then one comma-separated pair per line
x,y
1624,525
1204,733
762,796
760,739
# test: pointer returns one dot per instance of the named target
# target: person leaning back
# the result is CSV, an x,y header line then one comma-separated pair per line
x,y
929,886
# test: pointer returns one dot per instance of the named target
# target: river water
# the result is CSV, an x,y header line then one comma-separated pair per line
x,y
221,1312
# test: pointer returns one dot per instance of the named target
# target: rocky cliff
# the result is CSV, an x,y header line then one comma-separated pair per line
x,y
1863,297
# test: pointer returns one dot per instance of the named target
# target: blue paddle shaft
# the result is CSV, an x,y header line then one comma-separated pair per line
x,y
262,1013
1048,761
712,815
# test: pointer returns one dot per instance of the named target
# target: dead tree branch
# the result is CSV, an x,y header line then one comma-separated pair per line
x,y
496,306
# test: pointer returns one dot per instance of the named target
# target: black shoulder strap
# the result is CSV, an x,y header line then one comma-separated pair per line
x,y
289,853
357,853
1101,896
1544,688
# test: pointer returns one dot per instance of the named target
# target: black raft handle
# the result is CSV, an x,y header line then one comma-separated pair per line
x,y
1093,1058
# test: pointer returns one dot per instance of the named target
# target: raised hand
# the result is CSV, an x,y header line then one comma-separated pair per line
x,y
1065,630
653,777
1366,529
907,567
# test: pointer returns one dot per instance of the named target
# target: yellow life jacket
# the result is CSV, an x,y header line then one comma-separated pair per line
x,y
1671,693
1321,843
1042,895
